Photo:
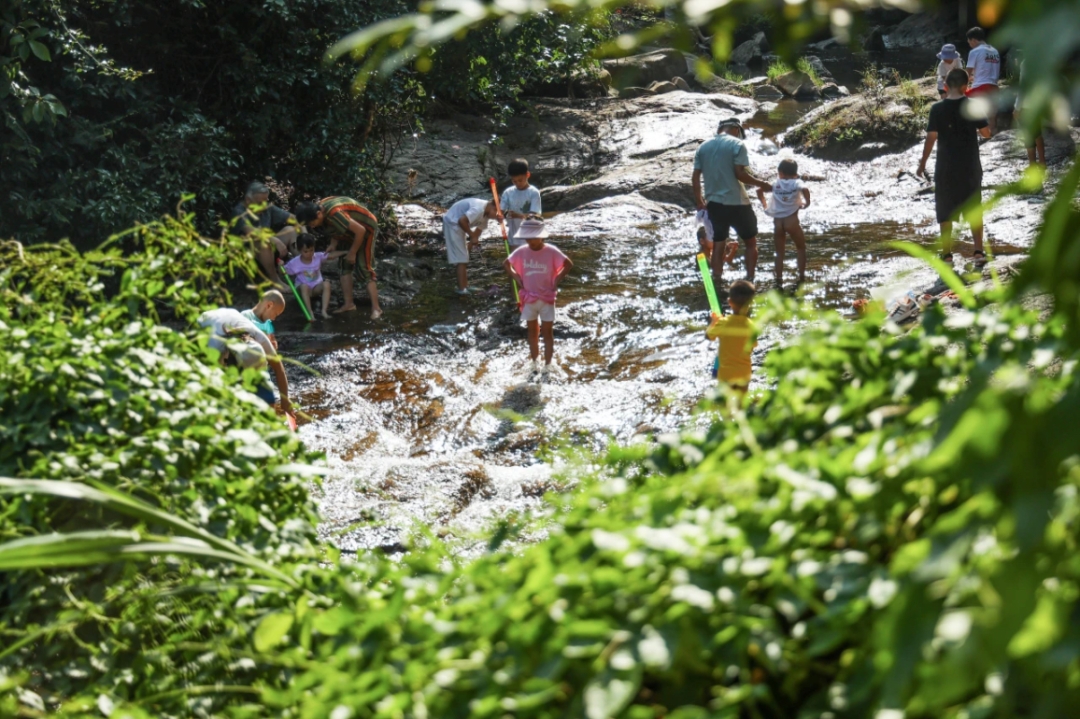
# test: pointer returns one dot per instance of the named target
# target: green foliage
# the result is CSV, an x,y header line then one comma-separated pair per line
x,y
776,70
493,68
143,450
119,108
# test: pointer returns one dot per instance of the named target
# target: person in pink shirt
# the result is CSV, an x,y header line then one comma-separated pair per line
x,y
306,271
538,268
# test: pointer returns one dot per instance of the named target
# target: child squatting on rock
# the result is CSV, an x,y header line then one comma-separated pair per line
x,y
463,224
306,270
735,333
538,268
789,195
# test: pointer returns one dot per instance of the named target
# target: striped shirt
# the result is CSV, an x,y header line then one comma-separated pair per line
x,y
338,211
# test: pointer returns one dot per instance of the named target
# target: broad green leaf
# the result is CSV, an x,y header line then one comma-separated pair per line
x,y
271,630
40,50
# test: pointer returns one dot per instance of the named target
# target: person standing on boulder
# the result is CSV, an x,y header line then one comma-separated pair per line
x,y
724,165
958,169
984,70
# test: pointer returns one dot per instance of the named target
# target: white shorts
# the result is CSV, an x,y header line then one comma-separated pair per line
x,y
538,310
457,246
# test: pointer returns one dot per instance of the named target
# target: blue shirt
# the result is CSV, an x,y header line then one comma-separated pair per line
x,y
267,326
717,159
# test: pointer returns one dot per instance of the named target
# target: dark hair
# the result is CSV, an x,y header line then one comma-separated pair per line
x,y
306,211
976,33
305,240
742,292
789,167
520,166
957,79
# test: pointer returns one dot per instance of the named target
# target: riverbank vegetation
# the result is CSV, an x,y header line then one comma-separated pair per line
x,y
889,531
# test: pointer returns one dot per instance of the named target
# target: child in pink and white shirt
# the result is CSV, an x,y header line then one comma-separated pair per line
x,y
538,268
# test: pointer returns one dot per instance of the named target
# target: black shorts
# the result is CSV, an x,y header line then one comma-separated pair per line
x,y
725,218
951,194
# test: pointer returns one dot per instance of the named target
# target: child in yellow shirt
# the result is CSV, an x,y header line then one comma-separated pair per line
x,y
735,333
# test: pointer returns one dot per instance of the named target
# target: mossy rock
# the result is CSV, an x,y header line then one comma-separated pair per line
x,y
874,122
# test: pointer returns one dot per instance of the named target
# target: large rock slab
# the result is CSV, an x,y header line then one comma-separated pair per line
x,y
924,30
642,70
795,83
751,52
578,153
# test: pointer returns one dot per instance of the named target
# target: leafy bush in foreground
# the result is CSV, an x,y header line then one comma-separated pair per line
x,y
890,532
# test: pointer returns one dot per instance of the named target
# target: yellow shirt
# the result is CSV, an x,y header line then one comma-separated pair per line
x,y
734,332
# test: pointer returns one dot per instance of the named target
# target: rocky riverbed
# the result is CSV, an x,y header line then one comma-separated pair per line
x,y
426,417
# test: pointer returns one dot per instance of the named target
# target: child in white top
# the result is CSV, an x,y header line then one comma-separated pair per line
x,y
519,200
462,225
950,60
789,195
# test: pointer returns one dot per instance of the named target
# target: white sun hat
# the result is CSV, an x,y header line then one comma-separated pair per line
x,y
530,230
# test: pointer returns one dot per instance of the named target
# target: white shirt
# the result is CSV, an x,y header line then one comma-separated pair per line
x,y
227,322
944,68
523,201
785,198
986,64
472,208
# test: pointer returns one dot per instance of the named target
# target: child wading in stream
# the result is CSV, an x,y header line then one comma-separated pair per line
x,y
538,268
789,195
735,332
307,271
462,225
519,200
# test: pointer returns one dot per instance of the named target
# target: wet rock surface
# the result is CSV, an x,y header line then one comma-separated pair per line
x,y
924,30
578,153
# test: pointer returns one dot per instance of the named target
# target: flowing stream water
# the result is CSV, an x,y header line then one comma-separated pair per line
x,y
427,419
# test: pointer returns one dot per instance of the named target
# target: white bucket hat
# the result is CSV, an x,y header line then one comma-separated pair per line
x,y
531,230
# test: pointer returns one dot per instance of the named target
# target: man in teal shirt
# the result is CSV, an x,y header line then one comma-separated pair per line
x,y
725,166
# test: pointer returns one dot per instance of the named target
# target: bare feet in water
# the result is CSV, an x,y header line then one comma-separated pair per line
x,y
376,314
346,308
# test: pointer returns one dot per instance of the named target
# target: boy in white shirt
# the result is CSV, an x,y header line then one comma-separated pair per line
x,y
465,219
789,195
519,200
984,71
